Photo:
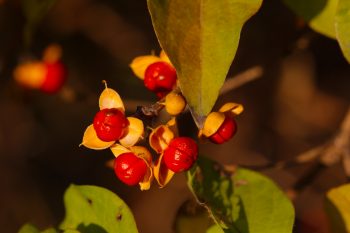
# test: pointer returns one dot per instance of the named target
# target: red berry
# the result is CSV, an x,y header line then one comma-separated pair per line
x,y
160,77
110,124
54,78
181,153
129,168
225,132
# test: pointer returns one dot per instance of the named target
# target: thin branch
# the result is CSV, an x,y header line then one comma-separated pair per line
x,y
305,157
331,153
340,145
242,78
346,164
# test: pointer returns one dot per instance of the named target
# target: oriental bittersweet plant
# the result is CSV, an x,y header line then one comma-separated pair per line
x,y
199,40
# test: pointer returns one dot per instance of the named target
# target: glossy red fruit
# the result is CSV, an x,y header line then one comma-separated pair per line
x,y
54,78
110,124
160,77
181,153
129,168
225,132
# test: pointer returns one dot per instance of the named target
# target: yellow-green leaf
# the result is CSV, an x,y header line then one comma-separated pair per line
x,y
215,229
240,200
201,39
338,208
95,209
342,26
28,228
320,14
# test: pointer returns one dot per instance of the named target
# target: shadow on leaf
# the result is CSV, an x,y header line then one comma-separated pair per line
x,y
91,228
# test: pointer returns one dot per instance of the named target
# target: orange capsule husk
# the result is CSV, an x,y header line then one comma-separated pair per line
x,y
162,173
52,53
109,98
91,141
140,64
134,133
211,124
232,109
30,74
160,138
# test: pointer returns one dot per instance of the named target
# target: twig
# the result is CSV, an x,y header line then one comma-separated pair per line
x,y
346,164
305,157
331,153
327,154
242,78
340,145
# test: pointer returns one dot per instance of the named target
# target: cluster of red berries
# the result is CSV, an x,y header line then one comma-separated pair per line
x,y
47,75
159,76
134,164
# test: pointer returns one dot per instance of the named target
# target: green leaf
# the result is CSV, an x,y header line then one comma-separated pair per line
x,y
320,14
342,26
95,209
201,39
215,229
197,223
28,228
241,202
338,208
50,230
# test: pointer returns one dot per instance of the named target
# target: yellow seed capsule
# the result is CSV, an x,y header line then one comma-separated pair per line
x,y
161,172
145,183
30,74
140,64
91,141
118,149
212,123
134,133
142,152
52,53
174,103
160,138
109,98
232,109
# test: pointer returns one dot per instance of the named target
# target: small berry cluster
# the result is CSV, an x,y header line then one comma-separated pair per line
x,y
221,126
157,73
134,164
47,75
159,76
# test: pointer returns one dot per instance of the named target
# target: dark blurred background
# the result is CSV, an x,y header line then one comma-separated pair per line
x,y
297,104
